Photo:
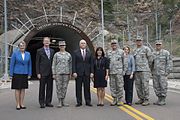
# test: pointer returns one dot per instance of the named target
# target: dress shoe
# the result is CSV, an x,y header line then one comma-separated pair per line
x,y
98,104
130,104
101,105
42,106
89,104
78,105
49,105
23,107
18,108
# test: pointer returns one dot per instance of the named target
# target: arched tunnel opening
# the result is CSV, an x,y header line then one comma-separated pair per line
x,y
69,33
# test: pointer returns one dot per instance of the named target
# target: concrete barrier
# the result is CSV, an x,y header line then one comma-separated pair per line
x,y
175,74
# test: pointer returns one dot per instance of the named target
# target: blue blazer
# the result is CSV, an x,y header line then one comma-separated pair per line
x,y
20,66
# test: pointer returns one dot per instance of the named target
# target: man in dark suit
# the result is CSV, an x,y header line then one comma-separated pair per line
x,y
44,58
82,71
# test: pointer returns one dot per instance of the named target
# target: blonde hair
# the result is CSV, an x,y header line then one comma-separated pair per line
x,y
22,43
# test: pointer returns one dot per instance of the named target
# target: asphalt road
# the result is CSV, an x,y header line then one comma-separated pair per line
x,y
8,112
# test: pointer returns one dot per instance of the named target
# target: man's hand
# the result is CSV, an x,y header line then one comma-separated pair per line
x,y
54,77
29,77
75,75
106,77
39,76
91,75
131,76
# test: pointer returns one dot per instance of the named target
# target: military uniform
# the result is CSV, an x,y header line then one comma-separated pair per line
x,y
143,61
162,65
61,67
116,74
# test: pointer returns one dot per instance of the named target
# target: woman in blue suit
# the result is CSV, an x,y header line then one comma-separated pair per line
x,y
20,71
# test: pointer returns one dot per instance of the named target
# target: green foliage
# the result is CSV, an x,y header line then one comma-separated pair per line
x,y
164,21
169,2
108,7
108,10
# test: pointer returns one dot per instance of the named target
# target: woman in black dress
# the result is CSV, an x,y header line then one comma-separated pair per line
x,y
101,74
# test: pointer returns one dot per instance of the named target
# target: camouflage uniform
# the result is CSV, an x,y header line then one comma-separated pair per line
x,y
143,61
61,68
162,65
116,74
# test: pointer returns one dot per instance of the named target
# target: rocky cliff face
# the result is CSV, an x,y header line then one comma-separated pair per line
x,y
141,12
87,9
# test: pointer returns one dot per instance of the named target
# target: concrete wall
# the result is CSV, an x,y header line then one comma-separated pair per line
x,y
175,74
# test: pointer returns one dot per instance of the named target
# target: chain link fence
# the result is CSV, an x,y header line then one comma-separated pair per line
x,y
126,27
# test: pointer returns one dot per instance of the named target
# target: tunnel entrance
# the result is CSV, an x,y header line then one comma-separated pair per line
x,y
57,32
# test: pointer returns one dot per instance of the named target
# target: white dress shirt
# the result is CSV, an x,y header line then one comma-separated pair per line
x,y
23,55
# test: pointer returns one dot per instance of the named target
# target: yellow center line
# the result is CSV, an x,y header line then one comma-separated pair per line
x,y
121,107
126,107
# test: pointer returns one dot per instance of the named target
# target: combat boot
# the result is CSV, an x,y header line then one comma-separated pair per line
x,y
60,104
163,101
139,102
64,104
119,103
114,102
157,102
145,103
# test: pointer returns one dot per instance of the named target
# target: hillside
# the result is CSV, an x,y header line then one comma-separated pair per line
x,y
140,12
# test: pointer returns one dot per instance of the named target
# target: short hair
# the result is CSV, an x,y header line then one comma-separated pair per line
x,y
82,41
101,49
46,37
127,48
22,42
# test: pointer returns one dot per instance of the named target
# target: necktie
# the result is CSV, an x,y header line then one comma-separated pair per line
x,y
48,53
84,54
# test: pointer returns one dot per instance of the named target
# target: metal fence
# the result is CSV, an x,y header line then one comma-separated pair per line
x,y
127,26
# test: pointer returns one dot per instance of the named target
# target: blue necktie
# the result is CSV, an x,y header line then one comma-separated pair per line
x,y
48,53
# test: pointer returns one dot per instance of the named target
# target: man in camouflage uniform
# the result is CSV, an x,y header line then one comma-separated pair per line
x,y
162,65
61,68
143,61
116,72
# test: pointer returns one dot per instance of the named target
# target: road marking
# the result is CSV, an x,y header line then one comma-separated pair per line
x,y
121,107
128,109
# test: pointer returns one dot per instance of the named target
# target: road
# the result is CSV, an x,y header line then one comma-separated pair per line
x,y
8,112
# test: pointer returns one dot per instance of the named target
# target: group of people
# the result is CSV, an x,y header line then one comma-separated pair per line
x,y
120,66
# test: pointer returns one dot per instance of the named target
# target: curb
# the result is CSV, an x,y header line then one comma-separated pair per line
x,y
176,85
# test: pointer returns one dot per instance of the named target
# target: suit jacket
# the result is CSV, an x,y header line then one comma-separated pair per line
x,y
80,66
20,66
43,63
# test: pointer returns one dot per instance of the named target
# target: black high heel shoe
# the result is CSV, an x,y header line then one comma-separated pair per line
x,y
18,108
102,105
22,107
98,104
